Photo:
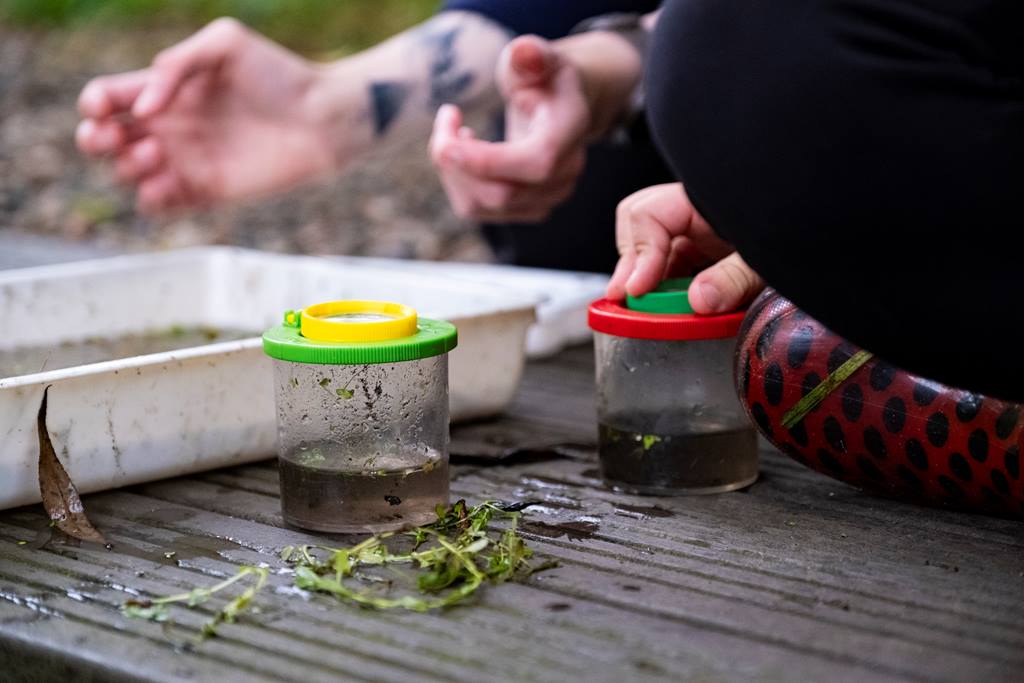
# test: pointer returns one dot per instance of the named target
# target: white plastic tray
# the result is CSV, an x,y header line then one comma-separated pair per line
x,y
138,419
562,297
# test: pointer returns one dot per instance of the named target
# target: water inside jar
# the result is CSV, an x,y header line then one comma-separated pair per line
x,y
332,487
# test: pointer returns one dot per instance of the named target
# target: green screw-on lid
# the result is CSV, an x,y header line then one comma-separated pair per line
x,y
670,296
369,337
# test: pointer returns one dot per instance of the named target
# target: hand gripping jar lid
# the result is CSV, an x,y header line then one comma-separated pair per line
x,y
664,314
358,333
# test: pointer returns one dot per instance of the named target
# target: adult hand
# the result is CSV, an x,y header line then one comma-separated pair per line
x,y
547,119
659,234
216,117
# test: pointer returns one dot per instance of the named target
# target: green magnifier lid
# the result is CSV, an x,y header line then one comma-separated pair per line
x,y
670,296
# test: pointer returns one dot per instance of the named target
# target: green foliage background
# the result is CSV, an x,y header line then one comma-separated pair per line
x,y
305,25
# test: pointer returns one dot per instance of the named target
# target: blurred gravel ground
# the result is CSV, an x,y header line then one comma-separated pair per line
x,y
390,207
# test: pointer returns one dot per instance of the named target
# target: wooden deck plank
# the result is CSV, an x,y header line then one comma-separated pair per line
x,y
798,578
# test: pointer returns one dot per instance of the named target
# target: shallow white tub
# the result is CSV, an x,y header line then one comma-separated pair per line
x,y
143,418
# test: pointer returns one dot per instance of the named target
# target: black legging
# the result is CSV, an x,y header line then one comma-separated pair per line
x,y
866,157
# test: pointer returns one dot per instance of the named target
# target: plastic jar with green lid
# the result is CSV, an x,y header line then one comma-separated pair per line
x,y
362,412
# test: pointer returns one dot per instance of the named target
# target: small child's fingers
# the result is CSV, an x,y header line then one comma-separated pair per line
x,y
624,213
726,286
650,266
651,241
616,290
685,258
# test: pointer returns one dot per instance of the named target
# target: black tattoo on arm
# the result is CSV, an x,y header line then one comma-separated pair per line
x,y
386,100
447,83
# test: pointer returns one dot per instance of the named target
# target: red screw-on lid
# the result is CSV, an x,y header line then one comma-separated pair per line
x,y
611,317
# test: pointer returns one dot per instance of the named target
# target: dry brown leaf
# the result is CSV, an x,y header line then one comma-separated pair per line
x,y
60,497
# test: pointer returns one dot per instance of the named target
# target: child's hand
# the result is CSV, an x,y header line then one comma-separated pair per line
x,y
660,234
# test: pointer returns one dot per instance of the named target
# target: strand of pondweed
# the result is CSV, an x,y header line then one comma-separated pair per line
x,y
156,609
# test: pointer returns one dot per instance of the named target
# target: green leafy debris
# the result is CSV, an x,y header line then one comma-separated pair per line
x,y
452,558
827,386
649,440
144,609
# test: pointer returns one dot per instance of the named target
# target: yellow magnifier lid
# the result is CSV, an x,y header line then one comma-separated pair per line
x,y
355,321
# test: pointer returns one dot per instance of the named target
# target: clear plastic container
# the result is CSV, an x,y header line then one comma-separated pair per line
x,y
668,416
362,416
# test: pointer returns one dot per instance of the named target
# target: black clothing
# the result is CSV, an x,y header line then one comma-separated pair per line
x,y
866,157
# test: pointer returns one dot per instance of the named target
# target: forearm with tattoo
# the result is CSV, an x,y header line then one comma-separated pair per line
x,y
391,92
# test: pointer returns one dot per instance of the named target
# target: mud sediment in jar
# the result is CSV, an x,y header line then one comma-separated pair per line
x,y
330,487
698,456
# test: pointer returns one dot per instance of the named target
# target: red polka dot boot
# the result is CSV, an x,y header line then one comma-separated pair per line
x,y
839,410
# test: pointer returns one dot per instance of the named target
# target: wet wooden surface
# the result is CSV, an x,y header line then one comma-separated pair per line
x,y
799,578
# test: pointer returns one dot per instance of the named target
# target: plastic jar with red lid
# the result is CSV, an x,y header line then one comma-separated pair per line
x,y
669,418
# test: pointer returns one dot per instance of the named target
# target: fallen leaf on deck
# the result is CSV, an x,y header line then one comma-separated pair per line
x,y
60,497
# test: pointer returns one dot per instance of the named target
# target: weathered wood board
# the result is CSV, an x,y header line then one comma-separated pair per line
x,y
797,579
